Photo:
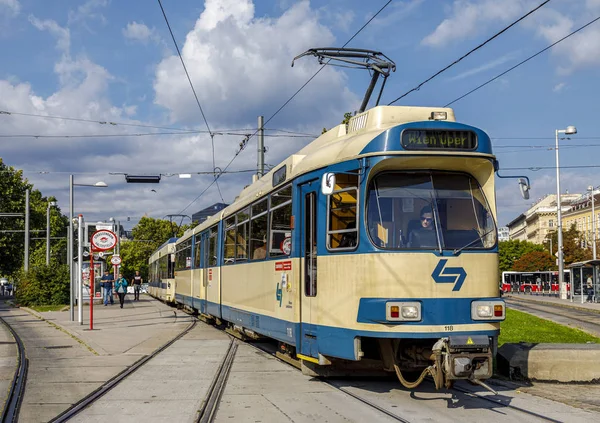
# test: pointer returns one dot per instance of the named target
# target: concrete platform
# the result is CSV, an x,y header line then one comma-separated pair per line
x,y
555,301
550,362
67,361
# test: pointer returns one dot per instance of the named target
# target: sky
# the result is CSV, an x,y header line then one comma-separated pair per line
x,y
111,67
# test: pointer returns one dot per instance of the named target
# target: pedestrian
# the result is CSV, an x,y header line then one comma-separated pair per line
x,y
121,288
590,289
137,284
107,287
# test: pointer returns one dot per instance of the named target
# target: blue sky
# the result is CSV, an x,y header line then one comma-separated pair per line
x,y
108,60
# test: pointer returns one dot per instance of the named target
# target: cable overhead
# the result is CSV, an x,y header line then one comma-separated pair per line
x,y
522,62
212,136
245,141
418,87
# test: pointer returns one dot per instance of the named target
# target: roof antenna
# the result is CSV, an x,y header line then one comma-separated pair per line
x,y
358,58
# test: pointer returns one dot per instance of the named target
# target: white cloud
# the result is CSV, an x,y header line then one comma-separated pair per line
x,y
490,65
468,18
63,35
559,87
10,7
242,63
139,32
87,11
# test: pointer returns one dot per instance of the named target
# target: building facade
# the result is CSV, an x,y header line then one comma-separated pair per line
x,y
503,233
580,215
540,219
204,214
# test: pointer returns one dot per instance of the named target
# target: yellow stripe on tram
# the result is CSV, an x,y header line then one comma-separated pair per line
x,y
307,358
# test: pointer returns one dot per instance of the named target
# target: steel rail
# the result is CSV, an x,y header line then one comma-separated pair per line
x,y
10,413
111,383
210,405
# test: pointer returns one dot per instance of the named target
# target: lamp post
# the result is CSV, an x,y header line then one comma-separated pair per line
x,y
99,184
50,204
591,189
561,277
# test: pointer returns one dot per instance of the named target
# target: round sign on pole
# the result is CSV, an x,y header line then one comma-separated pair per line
x,y
103,240
116,260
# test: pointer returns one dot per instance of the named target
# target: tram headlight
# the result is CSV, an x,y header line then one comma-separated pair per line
x,y
488,310
400,311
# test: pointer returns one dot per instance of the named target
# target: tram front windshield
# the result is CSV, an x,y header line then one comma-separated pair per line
x,y
429,210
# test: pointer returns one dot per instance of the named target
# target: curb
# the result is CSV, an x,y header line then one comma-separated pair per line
x,y
549,303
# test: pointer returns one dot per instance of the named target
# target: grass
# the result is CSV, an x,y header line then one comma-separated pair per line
x,y
43,308
523,327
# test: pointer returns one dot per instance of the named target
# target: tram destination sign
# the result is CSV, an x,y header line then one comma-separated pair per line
x,y
429,139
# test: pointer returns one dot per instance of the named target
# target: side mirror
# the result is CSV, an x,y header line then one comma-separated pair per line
x,y
327,183
524,186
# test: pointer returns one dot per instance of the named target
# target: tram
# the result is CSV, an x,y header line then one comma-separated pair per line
x,y
534,282
161,273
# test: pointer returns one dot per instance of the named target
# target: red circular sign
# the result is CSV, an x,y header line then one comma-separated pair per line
x,y
103,240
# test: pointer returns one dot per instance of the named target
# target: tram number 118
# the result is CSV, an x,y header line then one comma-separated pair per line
x,y
449,328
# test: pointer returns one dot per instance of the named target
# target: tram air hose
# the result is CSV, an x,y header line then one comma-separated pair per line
x,y
411,385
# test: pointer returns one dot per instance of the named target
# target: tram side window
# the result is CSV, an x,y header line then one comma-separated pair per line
x,y
258,230
171,266
212,247
197,252
184,255
229,244
241,240
280,235
342,232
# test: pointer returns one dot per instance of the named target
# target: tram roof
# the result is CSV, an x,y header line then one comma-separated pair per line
x,y
345,142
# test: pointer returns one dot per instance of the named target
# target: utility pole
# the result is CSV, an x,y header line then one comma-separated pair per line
x,y
26,264
261,147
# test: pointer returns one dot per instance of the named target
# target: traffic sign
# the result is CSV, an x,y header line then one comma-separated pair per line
x,y
116,260
101,254
103,240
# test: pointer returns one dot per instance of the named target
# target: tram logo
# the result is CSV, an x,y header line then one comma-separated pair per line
x,y
455,275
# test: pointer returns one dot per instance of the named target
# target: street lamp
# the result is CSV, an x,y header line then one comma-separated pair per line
x,y
99,184
561,277
50,204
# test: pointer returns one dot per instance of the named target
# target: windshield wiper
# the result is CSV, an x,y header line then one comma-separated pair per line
x,y
480,238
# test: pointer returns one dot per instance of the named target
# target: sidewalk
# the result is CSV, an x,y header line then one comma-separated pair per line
x,y
69,359
555,301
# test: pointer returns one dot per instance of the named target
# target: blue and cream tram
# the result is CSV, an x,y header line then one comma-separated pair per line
x,y
375,244
161,270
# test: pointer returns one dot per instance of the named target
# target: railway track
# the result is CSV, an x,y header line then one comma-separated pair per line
x,y
210,405
110,384
10,413
587,321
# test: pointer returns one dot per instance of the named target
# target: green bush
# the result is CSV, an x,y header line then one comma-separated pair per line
x,y
43,285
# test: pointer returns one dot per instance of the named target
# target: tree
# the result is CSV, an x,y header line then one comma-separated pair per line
x,y
148,235
511,251
534,261
572,250
12,244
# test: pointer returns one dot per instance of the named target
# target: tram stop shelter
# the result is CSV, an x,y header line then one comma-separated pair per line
x,y
580,271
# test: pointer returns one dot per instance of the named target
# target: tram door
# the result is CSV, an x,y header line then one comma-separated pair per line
x,y
308,257
205,270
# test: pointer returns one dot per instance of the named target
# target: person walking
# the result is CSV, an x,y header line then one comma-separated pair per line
x,y
590,289
107,286
137,284
121,288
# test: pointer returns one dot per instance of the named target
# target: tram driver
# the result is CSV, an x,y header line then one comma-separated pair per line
x,y
424,236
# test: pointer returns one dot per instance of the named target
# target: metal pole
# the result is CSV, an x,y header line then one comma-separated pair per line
x,y
92,288
561,276
593,227
80,270
261,147
581,282
26,264
70,253
48,235
118,232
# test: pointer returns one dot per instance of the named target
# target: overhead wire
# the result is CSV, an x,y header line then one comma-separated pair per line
x,y
418,87
523,62
245,141
142,135
212,137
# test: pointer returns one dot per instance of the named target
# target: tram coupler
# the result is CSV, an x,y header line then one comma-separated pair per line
x,y
467,357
